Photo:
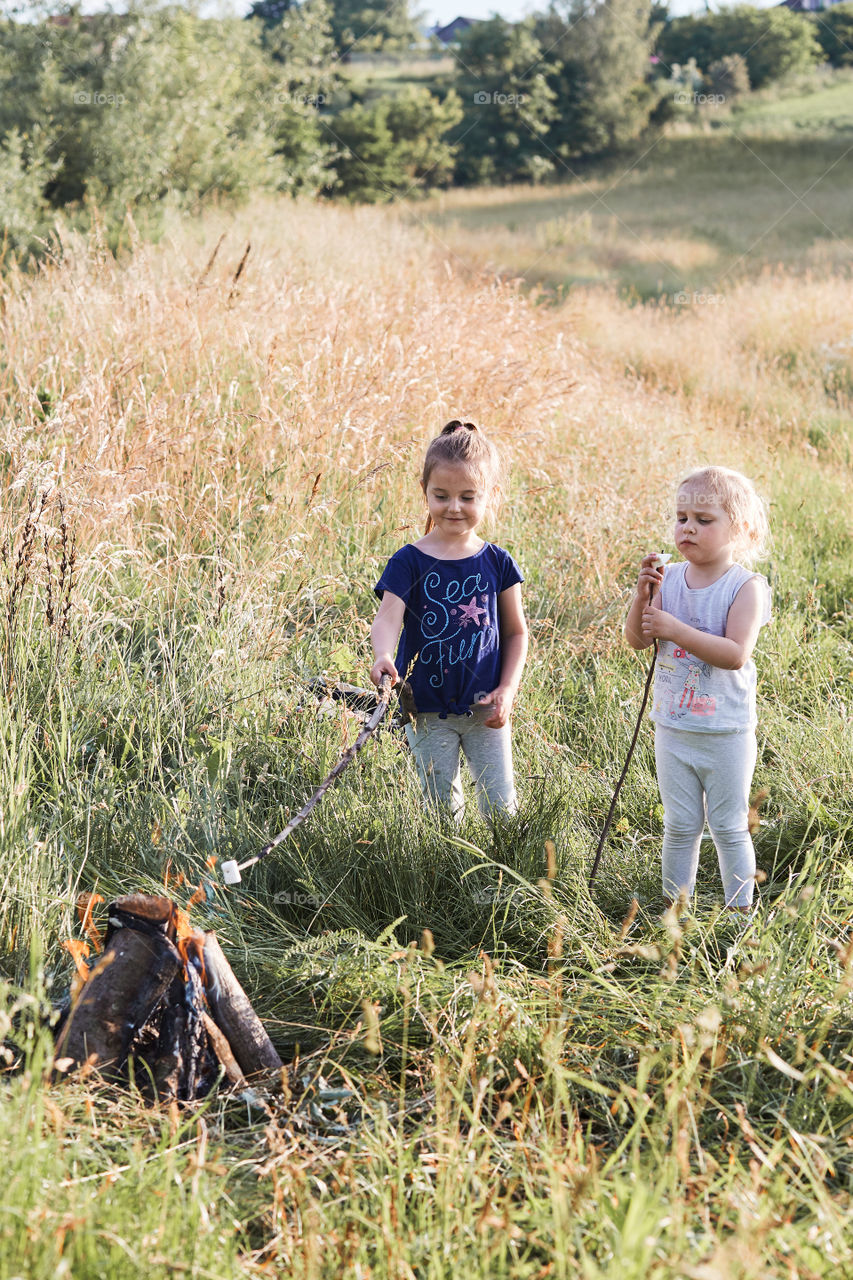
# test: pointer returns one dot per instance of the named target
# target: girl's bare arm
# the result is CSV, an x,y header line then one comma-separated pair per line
x,y
513,627
649,579
384,635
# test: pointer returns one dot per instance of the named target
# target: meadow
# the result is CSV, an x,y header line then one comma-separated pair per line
x,y
721,194
204,468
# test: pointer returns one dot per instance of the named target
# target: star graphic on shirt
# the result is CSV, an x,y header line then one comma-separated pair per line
x,y
471,613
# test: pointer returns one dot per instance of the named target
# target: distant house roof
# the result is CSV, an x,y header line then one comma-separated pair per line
x,y
453,30
808,6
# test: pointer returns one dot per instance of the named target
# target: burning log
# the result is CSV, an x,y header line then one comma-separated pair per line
x,y
233,1012
123,990
222,1049
163,994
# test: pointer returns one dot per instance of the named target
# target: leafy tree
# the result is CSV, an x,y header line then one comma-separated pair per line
x,y
694,37
600,58
394,145
774,42
834,30
270,12
301,83
359,26
158,106
507,103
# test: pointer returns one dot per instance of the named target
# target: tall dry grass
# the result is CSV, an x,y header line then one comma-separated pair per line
x,y
175,396
238,451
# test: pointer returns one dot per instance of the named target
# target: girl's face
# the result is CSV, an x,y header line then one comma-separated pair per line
x,y
703,530
456,498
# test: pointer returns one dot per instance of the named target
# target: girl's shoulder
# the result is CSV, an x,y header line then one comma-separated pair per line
x,y
506,566
404,553
741,575
763,592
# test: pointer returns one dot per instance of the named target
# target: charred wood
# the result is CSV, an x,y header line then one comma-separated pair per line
x,y
222,1051
234,1015
123,990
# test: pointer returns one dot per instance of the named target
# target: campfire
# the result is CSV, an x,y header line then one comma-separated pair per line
x,y
160,1003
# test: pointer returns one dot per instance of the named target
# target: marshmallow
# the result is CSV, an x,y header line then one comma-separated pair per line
x,y
661,558
231,873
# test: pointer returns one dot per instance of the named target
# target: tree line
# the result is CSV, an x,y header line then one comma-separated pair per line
x,y
159,106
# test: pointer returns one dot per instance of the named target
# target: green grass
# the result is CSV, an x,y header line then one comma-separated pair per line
x,y
491,1071
633,1106
696,212
819,104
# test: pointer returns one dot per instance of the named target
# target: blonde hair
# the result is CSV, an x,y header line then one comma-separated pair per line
x,y
464,444
722,487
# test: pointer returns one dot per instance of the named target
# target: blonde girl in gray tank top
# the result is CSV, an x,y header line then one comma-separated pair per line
x,y
706,614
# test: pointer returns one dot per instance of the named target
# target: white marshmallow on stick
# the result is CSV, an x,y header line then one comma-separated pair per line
x,y
231,873
661,558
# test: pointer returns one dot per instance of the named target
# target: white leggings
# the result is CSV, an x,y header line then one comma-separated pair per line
x,y
436,746
699,774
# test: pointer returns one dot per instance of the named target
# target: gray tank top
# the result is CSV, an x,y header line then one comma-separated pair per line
x,y
689,693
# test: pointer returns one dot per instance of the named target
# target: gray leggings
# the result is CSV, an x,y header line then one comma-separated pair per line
x,y
436,745
699,774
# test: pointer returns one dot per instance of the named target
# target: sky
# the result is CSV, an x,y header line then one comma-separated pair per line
x,y
446,10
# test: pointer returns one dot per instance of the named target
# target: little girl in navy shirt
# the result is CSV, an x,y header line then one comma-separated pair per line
x,y
457,601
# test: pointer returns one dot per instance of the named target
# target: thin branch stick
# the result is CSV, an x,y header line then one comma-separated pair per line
x,y
349,755
623,775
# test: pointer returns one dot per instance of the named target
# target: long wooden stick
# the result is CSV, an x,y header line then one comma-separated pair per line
x,y
623,775
347,758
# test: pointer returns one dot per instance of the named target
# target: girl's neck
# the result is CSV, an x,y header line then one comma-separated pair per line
x,y
698,576
433,544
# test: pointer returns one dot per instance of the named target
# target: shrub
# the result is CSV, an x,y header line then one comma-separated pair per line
x,y
728,77
25,215
395,145
152,107
834,30
773,42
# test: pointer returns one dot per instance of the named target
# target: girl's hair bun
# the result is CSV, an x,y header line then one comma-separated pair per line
x,y
456,425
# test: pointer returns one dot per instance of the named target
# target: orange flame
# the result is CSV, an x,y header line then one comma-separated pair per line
x,y
170,877
189,941
78,951
191,948
86,903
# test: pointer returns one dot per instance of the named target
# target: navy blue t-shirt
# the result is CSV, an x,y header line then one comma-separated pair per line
x,y
451,623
